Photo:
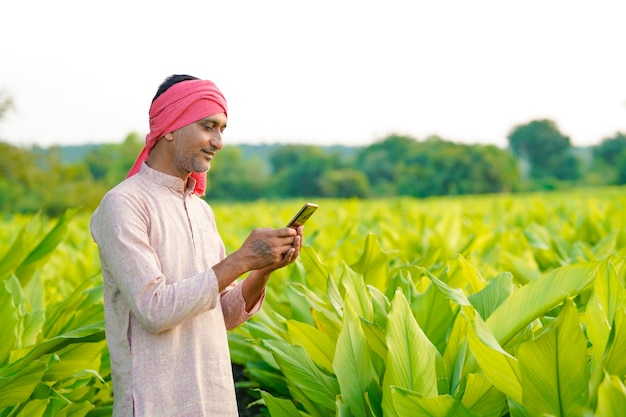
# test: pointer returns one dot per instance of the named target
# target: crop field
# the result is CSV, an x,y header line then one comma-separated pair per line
x,y
498,305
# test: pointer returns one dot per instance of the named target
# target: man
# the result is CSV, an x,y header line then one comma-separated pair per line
x,y
170,291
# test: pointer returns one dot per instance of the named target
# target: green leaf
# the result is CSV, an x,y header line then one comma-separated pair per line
x,y
410,403
524,269
464,275
611,397
538,297
18,384
42,251
91,333
25,241
356,293
434,314
608,295
499,366
352,363
614,360
494,294
319,346
10,318
482,397
455,355
317,273
411,357
279,407
302,373
373,264
554,368
75,358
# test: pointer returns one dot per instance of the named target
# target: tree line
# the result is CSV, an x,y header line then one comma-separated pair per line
x,y
538,157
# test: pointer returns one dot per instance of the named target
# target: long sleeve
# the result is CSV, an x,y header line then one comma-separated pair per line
x,y
166,322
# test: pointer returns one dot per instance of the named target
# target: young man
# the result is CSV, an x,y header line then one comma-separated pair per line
x,y
170,291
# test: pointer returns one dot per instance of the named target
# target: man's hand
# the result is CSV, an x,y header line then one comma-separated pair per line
x,y
270,249
263,251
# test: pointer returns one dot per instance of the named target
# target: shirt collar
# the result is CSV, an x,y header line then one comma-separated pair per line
x,y
167,180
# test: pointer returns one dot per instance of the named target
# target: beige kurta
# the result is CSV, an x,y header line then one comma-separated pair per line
x,y
166,322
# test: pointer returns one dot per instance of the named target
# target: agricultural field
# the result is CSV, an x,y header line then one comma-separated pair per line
x,y
499,305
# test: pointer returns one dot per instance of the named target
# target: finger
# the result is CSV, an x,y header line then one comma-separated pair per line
x,y
286,232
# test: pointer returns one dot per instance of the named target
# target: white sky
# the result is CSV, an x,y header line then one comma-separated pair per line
x,y
326,72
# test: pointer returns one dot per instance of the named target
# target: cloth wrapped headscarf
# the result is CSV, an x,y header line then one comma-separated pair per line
x,y
183,103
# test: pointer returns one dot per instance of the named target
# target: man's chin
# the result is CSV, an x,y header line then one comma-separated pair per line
x,y
203,168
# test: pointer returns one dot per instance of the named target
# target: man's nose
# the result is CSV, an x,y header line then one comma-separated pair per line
x,y
216,140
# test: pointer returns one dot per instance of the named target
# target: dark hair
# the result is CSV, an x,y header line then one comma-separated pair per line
x,y
170,81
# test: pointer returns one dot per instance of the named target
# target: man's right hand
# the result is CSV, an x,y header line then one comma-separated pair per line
x,y
262,249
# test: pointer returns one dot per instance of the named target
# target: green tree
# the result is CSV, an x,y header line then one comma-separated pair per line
x,y
344,183
543,151
109,163
609,160
297,170
382,163
234,178
610,149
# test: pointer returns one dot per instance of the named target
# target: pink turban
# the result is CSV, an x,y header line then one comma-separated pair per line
x,y
183,103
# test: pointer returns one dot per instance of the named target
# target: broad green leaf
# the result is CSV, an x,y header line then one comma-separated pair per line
x,y
328,322
373,264
266,376
554,368
319,346
317,273
10,319
482,397
375,337
42,251
525,269
380,305
494,294
538,297
455,354
352,363
86,298
614,360
299,308
453,294
25,241
279,407
75,358
500,367
607,297
302,373
17,384
410,403
411,357
464,275
434,314
91,333
34,408
356,293
611,397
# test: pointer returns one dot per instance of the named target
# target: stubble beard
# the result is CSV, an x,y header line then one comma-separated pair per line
x,y
194,163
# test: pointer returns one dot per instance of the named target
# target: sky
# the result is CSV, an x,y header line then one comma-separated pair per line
x,y
321,72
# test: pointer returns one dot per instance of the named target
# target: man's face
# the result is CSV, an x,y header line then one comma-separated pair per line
x,y
196,144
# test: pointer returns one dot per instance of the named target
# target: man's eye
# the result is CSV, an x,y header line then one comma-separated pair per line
x,y
208,127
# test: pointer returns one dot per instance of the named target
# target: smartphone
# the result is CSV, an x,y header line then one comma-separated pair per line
x,y
303,215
